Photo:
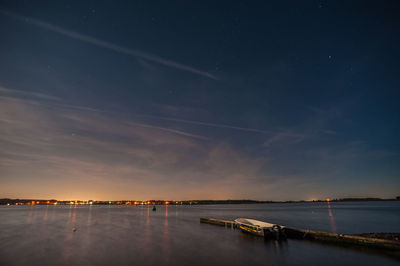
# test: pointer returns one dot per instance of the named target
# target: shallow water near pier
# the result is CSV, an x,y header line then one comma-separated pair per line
x,y
173,235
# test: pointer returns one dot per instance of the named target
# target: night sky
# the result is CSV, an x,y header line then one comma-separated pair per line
x,y
268,100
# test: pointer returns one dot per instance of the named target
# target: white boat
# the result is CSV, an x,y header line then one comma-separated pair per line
x,y
259,228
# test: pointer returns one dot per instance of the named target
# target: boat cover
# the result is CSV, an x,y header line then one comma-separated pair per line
x,y
252,222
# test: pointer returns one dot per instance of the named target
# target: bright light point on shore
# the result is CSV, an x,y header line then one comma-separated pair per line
x,y
328,199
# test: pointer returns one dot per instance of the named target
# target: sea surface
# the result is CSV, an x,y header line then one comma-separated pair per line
x,y
173,235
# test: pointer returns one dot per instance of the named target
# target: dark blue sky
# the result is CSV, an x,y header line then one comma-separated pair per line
x,y
220,99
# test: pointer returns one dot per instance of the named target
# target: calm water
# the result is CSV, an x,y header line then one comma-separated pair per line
x,y
173,235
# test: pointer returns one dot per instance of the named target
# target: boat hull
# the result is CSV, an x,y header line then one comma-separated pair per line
x,y
252,230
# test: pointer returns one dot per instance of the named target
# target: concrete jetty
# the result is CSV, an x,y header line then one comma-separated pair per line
x,y
226,223
342,239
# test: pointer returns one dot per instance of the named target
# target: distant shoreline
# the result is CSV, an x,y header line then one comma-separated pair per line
x,y
8,201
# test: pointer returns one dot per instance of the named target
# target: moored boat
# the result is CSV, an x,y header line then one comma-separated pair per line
x,y
259,228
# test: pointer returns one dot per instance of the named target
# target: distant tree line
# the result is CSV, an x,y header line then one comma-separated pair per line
x,y
7,201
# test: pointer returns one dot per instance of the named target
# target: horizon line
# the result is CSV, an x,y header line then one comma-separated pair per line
x,y
199,200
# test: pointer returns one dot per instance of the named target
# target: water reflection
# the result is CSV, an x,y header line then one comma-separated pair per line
x,y
73,218
89,220
45,214
165,244
68,240
279,247
147,233
331,218
70,211
30,215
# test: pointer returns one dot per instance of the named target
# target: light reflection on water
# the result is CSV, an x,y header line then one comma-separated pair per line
x,y
331,218
45,214
172,235
166,242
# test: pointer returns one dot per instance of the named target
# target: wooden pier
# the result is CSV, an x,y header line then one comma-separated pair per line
x,y
332,238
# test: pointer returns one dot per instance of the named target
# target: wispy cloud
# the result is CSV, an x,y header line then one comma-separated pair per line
x,y
200,123
109,45
169,130
55,150
28,94
284,137
112,157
